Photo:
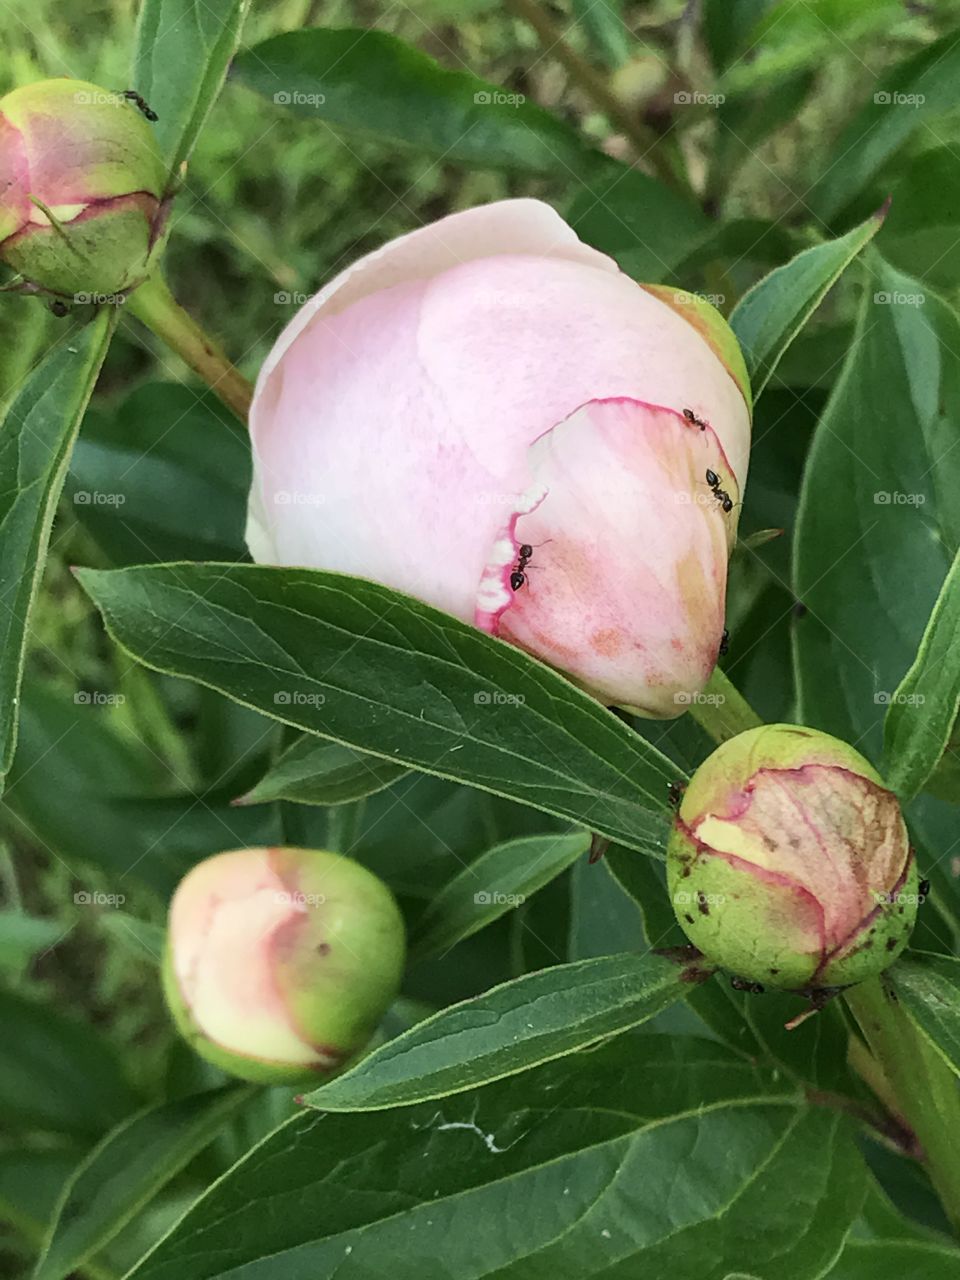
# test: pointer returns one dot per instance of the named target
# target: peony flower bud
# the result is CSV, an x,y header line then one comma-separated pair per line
x,y
489,415
81,188
789,862
281,962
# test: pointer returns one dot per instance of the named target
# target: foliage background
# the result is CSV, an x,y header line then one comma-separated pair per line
x,y
274,205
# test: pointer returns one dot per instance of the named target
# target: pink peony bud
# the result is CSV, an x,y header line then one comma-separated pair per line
x,y
81,188
281,962
489,415
789,862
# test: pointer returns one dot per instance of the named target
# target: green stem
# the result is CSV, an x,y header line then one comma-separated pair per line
x,y
343,825
925,1088
154,304
595,85
722,710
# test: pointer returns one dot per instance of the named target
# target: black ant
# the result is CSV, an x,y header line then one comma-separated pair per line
x,y
525,555
131,95
923,889
744,984
692,417
724,644
675,794
721,495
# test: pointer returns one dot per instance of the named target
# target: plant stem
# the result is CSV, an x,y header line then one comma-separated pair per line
x,y
154,304
594,83
723,711
925,1088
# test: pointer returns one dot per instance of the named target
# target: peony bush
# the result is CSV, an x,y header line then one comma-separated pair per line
x,y
478,659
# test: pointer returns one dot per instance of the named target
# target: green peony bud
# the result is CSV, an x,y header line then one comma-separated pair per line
x,y
281,962
789,862
81,189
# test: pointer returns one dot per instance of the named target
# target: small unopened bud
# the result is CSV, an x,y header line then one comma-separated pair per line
x,y
789,862
81,188
281,962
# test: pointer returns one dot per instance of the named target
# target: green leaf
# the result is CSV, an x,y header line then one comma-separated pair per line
x,y
770,315
928,987
183,49
899,104
372,84
923,710
878,525
510,1028
602,22
30,1184
921,234
111,805
22,936
164,475
648,228
36,437
126,1170
502,878
590,1167
361,664
56,1073
311,772
894,1259
140,937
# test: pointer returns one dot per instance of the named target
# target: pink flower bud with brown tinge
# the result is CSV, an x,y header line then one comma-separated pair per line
x,y
789,862
489,415
81,189
281,962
